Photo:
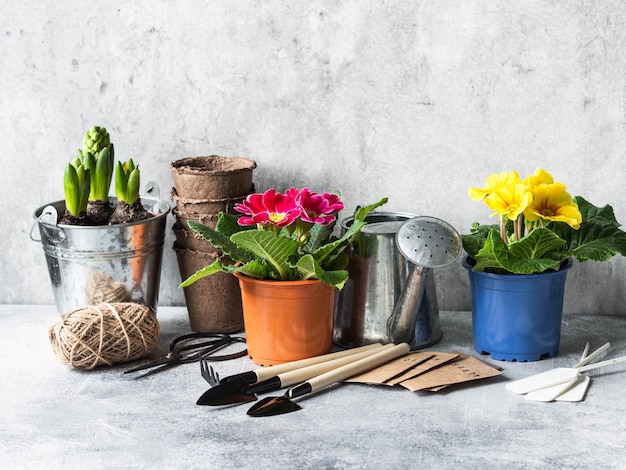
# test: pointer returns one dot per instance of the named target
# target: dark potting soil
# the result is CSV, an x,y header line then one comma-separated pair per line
x,y
68,219
99,212
105,214
125,213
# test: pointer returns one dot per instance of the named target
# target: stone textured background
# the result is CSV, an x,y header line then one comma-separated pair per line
x,y
413,100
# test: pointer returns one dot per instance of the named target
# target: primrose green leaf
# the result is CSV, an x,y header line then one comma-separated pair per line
x,y
213,268
268,246
221,240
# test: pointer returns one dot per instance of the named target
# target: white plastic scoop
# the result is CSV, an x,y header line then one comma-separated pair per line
x,y
549,385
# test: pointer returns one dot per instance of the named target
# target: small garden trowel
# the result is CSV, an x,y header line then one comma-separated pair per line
x,y
241,388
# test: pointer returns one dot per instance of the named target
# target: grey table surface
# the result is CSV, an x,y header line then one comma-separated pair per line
x,y
54,416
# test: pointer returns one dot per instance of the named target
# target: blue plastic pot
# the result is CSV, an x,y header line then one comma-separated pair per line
x,y
517,317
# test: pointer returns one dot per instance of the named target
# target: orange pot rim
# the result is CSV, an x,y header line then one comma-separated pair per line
x,y
302,282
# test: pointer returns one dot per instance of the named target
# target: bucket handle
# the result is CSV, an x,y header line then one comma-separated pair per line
x,y
152,190
48,220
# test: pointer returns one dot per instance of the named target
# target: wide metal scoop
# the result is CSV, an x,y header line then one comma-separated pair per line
x,y
271,406
427,242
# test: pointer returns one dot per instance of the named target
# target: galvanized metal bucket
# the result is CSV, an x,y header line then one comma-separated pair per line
x,y
378,272
108,263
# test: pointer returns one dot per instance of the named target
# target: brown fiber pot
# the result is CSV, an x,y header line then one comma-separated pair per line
x,y
187,238
206,206
212,177
286,320
213,302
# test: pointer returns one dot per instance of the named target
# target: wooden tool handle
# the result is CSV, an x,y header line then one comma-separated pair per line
x,y
358,367
300,375
272,371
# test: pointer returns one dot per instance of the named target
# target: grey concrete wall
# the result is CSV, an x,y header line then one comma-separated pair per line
x,y
413,100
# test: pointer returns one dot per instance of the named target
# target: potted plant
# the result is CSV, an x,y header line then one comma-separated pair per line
x,y
289,266
518,267
100,248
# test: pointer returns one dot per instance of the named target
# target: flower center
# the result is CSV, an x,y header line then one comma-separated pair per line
x,y
546,212
276,217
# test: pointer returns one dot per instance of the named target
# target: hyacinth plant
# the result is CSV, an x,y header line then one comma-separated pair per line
x,y
540,225
284,237
76,183
127,183
98,156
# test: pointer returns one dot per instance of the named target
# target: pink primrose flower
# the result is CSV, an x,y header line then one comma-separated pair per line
x,y
316,208
270,207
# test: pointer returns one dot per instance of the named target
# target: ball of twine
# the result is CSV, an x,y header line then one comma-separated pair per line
x,y
104,334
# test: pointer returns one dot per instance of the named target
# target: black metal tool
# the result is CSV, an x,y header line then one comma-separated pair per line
x,y
193,347
271,406
234,392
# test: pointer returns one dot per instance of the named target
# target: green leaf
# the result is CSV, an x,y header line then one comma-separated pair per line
x,y
221,240
516,258
269,247
213,268
536,244
72,190
309,268
362,212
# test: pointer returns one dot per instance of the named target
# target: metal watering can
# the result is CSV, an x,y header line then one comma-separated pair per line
x,y
390,295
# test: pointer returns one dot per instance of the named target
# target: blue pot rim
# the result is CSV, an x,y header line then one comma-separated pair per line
x,y
565,265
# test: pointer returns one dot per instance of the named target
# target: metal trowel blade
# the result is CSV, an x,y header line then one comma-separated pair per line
x,y
226,393
272,406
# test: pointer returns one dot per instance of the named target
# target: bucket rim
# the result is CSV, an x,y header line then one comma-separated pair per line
x,y
163,206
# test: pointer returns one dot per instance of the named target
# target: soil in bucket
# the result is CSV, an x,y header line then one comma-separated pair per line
x,y
214,302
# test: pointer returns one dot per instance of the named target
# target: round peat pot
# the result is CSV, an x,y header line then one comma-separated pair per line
x,y
107,263
212,177
517,317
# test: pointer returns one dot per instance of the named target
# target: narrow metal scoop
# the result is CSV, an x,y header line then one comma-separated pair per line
x,y
427,242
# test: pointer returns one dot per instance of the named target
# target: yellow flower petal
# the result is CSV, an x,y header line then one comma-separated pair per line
x,y
552,202
510,200
541,176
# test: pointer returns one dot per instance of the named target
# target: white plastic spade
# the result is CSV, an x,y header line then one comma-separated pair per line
x,y
555,383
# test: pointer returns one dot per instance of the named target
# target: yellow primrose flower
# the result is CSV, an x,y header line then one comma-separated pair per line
x,y
510,200
494,182
541,176
552,202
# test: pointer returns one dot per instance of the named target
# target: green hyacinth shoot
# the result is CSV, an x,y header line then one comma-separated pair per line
x,y
76,184
127,181
97,156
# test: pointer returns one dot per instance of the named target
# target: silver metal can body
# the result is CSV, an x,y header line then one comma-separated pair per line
x,y
108,263
377,274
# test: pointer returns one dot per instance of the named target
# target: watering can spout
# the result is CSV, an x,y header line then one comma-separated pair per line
x,y
402,322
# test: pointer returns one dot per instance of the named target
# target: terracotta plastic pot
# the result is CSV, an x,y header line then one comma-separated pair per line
x,y
213,302
212,177
286,320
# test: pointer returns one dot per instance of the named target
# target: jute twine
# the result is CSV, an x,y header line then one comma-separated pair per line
x,y
104,334
103,288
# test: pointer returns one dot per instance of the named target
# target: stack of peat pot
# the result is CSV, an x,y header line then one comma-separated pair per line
x,y
204,187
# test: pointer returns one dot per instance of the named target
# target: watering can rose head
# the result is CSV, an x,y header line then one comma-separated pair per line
x,y
539,225
283,237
